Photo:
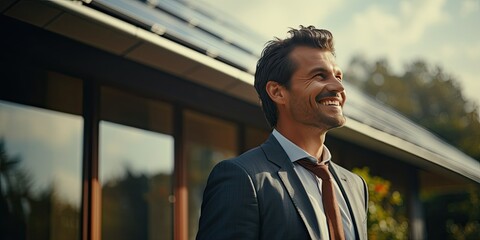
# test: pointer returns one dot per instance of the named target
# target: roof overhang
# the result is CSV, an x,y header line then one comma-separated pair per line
x,y
391,145
74,20
84,24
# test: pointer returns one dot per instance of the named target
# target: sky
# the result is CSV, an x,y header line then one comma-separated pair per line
x,y
442,33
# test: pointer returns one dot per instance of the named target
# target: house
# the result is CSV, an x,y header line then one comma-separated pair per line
x,y
113,112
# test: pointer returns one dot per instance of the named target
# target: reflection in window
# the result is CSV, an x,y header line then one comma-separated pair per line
x,y
136,168
40,173
208,140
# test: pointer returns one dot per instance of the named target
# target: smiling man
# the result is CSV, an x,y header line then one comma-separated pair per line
x,y
289,187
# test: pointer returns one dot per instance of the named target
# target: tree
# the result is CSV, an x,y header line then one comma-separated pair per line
x,y
433,99
22,213
469,227
427,95
12,214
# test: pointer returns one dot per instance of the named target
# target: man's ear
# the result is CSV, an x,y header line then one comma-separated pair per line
x,y
276,91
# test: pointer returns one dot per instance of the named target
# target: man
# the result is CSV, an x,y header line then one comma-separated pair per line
x,y
269,192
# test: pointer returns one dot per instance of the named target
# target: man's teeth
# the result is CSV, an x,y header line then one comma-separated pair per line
x,y
330,102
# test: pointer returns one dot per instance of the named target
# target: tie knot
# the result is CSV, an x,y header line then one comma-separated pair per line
x,y
321,170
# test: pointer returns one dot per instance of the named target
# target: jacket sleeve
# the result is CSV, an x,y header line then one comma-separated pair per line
x,y
229,207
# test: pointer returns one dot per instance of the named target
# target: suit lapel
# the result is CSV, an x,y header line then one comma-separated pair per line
x,y
293,185
346,187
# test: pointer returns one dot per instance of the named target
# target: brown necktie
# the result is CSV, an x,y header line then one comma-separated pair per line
x,y
329,199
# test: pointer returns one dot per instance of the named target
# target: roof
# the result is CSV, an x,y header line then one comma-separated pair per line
x,y
192,24
208,48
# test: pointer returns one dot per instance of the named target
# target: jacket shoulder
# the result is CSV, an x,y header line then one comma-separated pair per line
x,y
251,160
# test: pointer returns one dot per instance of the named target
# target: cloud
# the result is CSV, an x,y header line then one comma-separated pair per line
x,y
473,85
463,62
420,17
272,18
472,53
68,186
387,30
395,31
54,129
469,7
460,56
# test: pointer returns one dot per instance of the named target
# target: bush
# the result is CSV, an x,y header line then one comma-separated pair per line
x,y
386,216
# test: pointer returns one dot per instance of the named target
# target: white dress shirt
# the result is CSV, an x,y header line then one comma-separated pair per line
x,y
313,186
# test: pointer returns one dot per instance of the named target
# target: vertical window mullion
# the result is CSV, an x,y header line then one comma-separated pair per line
x,y
180,183
90,228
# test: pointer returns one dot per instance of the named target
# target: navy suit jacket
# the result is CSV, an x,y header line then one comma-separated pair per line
x,y
258,195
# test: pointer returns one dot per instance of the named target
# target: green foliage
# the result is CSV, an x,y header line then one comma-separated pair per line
x,y
428,96
433,99
386,217
469,228
453,215
42,215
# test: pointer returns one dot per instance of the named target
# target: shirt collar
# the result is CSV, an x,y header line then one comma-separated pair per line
x,y
295,153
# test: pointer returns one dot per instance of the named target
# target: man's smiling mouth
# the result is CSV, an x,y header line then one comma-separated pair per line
x,y
330,102
329,99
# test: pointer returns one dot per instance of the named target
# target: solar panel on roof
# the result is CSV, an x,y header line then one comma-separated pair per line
x,y
176,29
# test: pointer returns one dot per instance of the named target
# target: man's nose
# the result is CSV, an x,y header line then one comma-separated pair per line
x,y
335,86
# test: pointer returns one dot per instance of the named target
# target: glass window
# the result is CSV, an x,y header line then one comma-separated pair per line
x,y
40,173
208,140
136,167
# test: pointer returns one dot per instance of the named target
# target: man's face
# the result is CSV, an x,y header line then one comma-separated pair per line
x,y
316,95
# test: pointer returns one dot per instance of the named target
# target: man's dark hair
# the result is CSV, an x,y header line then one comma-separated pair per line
x,y
275,63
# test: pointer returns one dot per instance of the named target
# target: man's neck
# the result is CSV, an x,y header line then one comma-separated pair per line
x,y
310,140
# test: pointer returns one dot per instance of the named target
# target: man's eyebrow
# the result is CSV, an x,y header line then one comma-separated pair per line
x,y
317,70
